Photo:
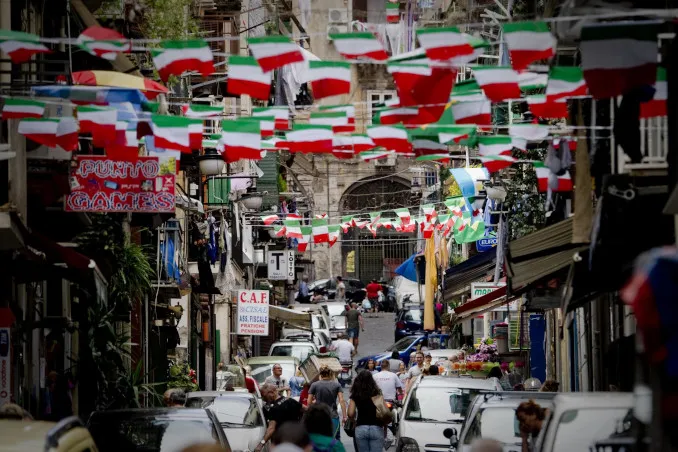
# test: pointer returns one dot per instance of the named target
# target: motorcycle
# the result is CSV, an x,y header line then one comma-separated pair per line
x,y
346,375
394,406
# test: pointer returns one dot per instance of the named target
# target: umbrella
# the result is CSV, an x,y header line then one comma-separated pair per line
x,y
408,269
119,80
90,94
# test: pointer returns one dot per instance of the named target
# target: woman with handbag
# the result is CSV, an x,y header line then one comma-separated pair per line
x,y
369,430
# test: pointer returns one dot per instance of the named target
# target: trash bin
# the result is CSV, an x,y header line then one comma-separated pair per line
x,y
501,333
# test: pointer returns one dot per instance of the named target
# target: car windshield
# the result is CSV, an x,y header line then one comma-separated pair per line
x,y
319,284
318,323
260,371
413,315
150,434
579,429
299,351
231,411
402,345
428,404
498,423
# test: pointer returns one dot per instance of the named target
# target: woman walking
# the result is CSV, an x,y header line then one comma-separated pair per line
x,y
369,431
371,366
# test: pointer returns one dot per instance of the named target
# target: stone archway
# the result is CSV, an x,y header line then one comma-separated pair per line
x,y
366,257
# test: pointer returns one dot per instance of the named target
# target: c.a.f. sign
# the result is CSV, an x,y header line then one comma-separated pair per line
x,y
253,312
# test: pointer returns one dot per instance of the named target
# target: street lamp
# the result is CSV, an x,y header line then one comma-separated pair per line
x,y
211,163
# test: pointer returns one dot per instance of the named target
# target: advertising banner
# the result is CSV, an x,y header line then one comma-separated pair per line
x,y
102,185
253,312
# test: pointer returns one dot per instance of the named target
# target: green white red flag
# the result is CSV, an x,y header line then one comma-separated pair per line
x,y
429,212
354,144
333,118
404,215
276,51
528,42
126,145
20,46
541,107
269,219
498,82
279,231
565,82
329,78
320,230
310,138
395,115
392,12
202,111
177,133
306,234
499,145
529,132
407,78
67,133
359,46
375,154
245,76
444,43
293,229
333,234
455,134
429,150
103,42
281,115
545,179
349,110
100,122
393,138
478,112
41,130
657,106
177,57
241,140
15,108
495,163
617,57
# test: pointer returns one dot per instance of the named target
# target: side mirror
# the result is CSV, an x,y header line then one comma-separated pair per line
x,y
451,434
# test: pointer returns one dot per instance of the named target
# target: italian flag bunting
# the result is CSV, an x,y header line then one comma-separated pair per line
x,y
241,140
306,233
273,52
15,108
333,234
468,90
281,115
100,122
177,57
359,46
320,230
530,81
310,138
546,178
393,138
349,110
375,154
279,231
528,42
396,115
67,133
455,134
498,82
407,77
444,43
177,133
657,106
20,46
266,124
541,107
478,112
617,57
499,145
329,78
404,215
245,76
352,143
321,216
42,131
103,42
392,12
495,163
126,145
429,212
202,111
293,229
269,219
565,82
529,132
429,150
337,118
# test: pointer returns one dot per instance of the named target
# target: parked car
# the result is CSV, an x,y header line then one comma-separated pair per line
x,y
493,416
240,414
320,334
262,367
405,347
299,349
334,311
410,320
161,429
355,289
67,435
389,302
580,419
433,404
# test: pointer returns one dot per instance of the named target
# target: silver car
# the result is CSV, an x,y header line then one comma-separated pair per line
x,y
335,312
240,414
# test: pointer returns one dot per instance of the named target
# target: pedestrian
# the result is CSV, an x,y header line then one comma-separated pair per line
x,y
174,397
250,383
354,323
439,308
530,417
395,361
388,382
373,289
415,370
303,295
486,445
277,380
371,366
402,373
344,348
434,370
291,437
341,290
495,372
369,431
297,383
427,359
277,410
318,423
327,390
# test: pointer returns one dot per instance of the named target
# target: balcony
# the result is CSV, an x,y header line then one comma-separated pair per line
x,y
170,260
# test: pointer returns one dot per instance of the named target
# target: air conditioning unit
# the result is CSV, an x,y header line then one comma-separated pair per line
x,y
387,162
337,16
336,28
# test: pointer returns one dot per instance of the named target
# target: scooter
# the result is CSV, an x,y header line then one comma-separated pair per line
x,y
395,410
346,375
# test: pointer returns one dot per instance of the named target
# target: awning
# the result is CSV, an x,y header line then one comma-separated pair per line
x,y
291,317
486,303
481,301
473,269
541,254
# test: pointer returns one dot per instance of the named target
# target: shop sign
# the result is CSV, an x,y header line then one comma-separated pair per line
x,y
277,265
290,265
99,184
5,366
253,312
486,244
479,289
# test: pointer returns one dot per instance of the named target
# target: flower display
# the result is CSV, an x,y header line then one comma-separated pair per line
x,y
485,352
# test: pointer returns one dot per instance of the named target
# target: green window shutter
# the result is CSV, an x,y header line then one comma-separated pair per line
x,y
218,190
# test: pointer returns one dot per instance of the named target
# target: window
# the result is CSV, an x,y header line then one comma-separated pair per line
x,y
376,99
425,404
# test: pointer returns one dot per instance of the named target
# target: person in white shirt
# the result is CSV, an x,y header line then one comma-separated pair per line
x,y
388,382
341,290
345,350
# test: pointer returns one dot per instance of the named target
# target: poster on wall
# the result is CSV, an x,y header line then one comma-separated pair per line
x,y
253,312
102,185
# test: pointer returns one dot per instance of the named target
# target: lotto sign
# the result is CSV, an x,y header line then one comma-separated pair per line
x,y
102,185
277,265
253,312
290,265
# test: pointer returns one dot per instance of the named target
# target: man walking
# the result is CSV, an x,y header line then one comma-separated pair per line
x,y
277,380
277,411
303,295
415,370
327,390
354,323
345,349
373,289
388,382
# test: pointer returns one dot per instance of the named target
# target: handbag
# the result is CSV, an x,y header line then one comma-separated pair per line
x,y
384,415
349,427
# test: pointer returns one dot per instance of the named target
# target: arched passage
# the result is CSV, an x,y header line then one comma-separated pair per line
x,y
367,257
